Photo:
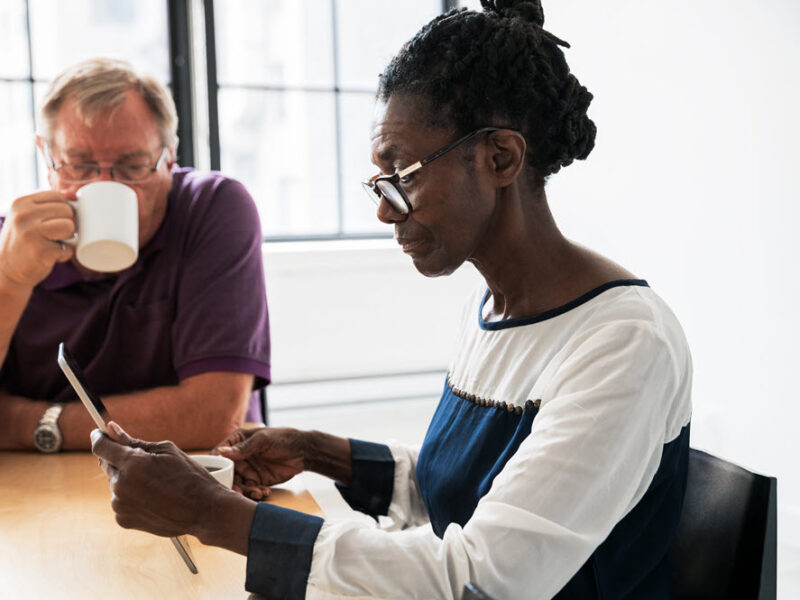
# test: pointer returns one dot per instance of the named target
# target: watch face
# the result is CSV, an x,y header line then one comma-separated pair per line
x,y
46,440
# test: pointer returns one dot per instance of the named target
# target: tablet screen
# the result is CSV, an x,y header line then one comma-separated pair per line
x,y
75,376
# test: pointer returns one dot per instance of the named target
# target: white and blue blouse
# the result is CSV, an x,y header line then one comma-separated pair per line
x,y
554,466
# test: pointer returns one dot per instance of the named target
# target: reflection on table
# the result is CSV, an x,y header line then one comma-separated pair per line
x,y
59,539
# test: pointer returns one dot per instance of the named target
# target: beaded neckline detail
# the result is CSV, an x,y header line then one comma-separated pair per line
x,y
490,403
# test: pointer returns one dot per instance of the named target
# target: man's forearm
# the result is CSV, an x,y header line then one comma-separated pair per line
x,y
197,414
18,419
194,415
13,300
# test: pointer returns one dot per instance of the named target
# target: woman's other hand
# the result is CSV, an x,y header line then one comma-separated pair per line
x,y
263,457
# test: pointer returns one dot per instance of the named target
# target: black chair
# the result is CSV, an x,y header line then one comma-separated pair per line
x,y
262,399
726,543
473,592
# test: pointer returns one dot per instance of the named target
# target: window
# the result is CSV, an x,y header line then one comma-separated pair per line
x,y
38,38
291,82
297,81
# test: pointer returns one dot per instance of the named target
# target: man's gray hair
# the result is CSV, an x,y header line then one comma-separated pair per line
x,y
100,85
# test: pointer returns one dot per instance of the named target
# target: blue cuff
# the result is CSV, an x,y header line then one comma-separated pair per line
x,y
279,552
371,490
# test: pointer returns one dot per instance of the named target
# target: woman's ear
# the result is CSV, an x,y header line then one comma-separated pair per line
x,y
506,153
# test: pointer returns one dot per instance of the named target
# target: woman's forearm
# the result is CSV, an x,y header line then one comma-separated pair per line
x,y
327,455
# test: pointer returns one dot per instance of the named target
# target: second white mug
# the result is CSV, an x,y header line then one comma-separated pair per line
x,y
107,226
219,467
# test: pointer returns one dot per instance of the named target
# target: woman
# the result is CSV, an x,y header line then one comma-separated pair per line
x,y
555,463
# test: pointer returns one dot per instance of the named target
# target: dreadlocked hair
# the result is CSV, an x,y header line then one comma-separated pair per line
x,y
497,67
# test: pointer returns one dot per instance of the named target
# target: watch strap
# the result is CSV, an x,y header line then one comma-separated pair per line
x,y
47,435
51,414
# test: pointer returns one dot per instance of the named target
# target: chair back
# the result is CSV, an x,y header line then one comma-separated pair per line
x,y
262,400
472,592
726,542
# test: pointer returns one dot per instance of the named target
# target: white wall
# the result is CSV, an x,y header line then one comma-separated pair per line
x,y
693,185
353,309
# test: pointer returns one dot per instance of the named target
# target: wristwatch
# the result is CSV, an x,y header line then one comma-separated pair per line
x,y
47,436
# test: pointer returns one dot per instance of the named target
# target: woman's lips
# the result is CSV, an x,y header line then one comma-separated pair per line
x,y
409,245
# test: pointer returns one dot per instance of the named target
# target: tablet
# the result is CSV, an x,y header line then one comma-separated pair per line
x,y
92,402
99,415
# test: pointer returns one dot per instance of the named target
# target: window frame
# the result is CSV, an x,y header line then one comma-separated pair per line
x,y
337,89
31,83
184,85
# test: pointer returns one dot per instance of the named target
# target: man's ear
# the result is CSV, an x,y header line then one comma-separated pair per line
x,y
506,153
173,152
41,143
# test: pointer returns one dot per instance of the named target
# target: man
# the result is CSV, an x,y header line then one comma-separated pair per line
x,y
176,343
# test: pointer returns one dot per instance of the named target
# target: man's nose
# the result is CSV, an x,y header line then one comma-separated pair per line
x,y
105,174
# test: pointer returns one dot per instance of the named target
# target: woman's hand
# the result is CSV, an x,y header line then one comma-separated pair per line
x,y
157,488
263,457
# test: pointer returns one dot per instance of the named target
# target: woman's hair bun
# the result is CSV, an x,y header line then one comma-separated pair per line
x,y
528,10
497,67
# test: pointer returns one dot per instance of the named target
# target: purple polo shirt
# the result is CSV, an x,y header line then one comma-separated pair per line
x,y
193,302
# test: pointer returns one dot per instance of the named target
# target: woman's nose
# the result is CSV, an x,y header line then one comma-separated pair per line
x,y
387,214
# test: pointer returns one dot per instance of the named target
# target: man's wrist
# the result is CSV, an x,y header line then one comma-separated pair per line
x,y
14,286
20,417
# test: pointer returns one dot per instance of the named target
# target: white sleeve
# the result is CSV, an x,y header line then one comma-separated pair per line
x,y
406,508
594,447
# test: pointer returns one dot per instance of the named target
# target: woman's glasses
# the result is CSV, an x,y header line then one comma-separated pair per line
x,y
389,186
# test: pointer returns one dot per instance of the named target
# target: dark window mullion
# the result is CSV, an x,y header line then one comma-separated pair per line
x,y
181,75
213,85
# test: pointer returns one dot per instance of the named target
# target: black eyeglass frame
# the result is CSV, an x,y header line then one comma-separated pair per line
x,y
112,168
374,192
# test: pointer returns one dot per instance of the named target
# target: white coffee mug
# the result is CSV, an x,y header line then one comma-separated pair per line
x,y
107,226
219,467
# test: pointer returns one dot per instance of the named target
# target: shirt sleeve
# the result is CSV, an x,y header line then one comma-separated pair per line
x,y
279,551
594,448
385,483
370,490
222,322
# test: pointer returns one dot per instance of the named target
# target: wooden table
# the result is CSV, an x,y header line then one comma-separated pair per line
x,y
59,539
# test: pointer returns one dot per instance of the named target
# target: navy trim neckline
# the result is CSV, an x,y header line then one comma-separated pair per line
x,y
549,314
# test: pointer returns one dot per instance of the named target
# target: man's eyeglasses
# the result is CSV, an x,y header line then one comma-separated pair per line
x,y
122,172
389,186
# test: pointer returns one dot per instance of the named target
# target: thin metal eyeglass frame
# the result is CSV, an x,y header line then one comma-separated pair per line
x,y
371,185
98,169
